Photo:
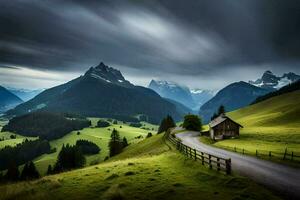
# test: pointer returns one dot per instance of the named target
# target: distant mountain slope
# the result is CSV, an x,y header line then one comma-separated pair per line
x,y
101,92
8,100
201,96
180,107
192,99
282,110
271,81
24,94
285,89
233,96
173,91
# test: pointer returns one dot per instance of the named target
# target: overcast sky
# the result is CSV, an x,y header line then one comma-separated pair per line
x,y
199,43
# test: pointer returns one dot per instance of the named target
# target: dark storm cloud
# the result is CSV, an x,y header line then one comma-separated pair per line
x,y
150,38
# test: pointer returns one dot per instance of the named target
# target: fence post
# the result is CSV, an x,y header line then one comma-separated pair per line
x,y
284,153
256,153
209,157
202,158
191,155
270,154
292,155
218,164
195,154
228,166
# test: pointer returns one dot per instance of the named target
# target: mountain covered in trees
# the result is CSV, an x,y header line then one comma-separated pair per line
x,y
233,96
46,125
271,81
101,92
8,100
192,99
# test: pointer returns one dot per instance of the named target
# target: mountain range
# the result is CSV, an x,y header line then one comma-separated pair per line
x,y
101,92
271,81
192,99
8,100
24,94
233,96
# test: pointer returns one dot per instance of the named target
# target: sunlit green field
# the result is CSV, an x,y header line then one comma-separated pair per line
x,y
99,136
272,125
146,170
12,142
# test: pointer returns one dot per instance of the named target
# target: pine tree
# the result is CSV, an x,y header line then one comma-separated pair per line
x,y
125,143
69,157
221,110
79,158
49,170
165,124
24,173
115,144
12,173
214,116
33,172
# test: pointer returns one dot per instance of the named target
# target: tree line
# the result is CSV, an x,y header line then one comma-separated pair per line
x,y
23,152
29,172
46,125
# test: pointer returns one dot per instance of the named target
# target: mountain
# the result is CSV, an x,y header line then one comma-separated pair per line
x,y
24,94
180,107
8,100
192,99
173,91
233,96
285,89
271,81
201,96
101,92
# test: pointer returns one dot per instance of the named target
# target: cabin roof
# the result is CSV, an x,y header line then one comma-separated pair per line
x,y
220,120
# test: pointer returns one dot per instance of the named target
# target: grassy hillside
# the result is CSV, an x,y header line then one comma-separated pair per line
x,y
147,170
271,125
100,136
12,142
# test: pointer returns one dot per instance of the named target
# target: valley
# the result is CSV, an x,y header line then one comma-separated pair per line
x,y
99,136
146,170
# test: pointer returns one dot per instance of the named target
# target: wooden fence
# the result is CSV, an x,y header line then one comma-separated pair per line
x,y
214,162
284,155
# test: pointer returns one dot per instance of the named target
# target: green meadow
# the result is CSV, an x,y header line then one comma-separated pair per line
x,y
272,125
99,136
148,169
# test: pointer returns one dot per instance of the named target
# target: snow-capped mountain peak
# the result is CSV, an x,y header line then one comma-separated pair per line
x,y
271,81
171,90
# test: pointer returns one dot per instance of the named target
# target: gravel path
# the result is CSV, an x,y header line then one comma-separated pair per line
x,y
284,179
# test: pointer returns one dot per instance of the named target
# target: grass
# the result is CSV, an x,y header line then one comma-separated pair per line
x,y
146,170
100,136
12,142
272,125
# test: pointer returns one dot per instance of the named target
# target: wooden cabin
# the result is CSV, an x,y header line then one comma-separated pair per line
x,y
223,127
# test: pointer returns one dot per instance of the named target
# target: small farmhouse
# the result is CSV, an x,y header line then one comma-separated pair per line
x,y
223,127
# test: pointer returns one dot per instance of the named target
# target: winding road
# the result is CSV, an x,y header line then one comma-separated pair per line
x,y
283,179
